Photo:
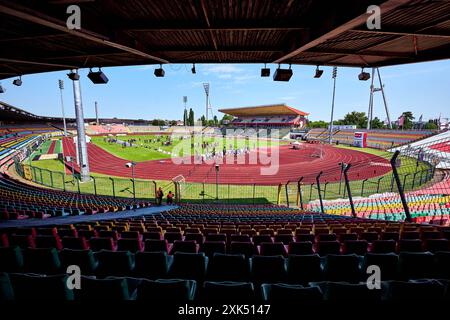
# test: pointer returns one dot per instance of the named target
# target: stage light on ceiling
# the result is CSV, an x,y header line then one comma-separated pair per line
x,y
265,72
2,90
18,81
282,74
319,73
159,72
98,77
364,76
193,69
73,75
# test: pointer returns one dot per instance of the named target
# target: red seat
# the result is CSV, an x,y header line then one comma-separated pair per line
x,y
189,246
77,243
272,249
301,248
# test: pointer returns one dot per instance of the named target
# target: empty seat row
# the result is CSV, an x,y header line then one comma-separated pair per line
x,y
233,267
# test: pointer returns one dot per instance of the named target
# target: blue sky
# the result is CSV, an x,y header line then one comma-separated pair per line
x,y
134,92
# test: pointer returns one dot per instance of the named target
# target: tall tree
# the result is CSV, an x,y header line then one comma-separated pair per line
x,y
377,123
203,120
216,121
185,117
356,118
191,117
408,120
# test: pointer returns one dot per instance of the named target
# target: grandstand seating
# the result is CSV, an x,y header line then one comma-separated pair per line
x,y
107,129
314,273
22,201
380,139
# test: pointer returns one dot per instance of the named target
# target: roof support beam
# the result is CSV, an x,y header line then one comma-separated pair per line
x,y
352,24
403,33
38,63
50,22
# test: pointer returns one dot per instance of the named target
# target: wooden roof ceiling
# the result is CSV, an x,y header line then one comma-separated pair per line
x,y
267,110
34,37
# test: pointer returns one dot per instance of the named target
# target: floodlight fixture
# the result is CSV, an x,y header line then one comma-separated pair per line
x,y
18,81
265,72
363,76
319,73
159,72
282,74
98,77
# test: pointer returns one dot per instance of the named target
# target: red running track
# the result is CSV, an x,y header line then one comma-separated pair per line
x,y
293,164
51,149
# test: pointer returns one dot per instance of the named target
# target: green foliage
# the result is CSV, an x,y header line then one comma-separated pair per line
x,y
430,126
318,124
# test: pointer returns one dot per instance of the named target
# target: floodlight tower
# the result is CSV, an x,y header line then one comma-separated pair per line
x,y
96,113
371,99
206,87
330,138
61,88
185,113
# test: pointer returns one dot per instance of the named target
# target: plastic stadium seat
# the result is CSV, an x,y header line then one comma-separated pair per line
x,y
388,263
347,236
327,237
358,247
172,236
114,263
216,237
328,247
335,291
130,235
173,290
219,292
48,241
156,245
284,238
67,233
25,231
410,235
272,249
282,292
190,266
435,245
384,246
304,268
22,241
305,237
152,265
369,236
102,289
129,244
304,247
85,259
6,289
11,259
257,240
426,235
442,265
416,265
390,236
212,247
184,246
88,234
240,238
75,243
268,269
410,245
228,267
38,287
109,234
246,248
46,231
342,268
427,288
197,237
41,261
99,243
153,235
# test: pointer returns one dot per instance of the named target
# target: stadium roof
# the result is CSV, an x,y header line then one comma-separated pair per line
x,y
268,110
34,36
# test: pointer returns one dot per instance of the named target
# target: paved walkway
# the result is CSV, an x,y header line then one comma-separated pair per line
x,y
84,218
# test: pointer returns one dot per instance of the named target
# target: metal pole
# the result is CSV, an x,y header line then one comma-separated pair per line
x,y
217,183
61,87
340,177
384,99
370,112
96,113
330,138
347,184
399,185
287,193
82,147
113,187
299,186
134,188
362,186
319,191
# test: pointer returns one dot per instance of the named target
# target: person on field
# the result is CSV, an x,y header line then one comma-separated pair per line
x,y
159,196
170,198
